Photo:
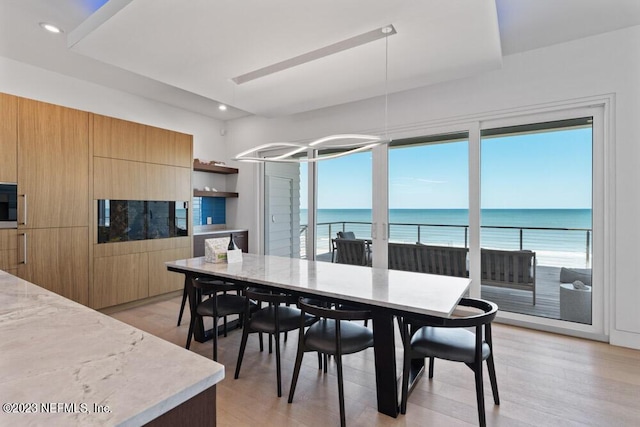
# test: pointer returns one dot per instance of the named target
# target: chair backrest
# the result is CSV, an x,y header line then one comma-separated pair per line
x,y
274,298
488,313
329,313
508,266
208,284
403,256
346,235
443,260
351,251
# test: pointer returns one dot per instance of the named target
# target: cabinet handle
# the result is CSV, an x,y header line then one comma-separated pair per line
x,y
24,210
24,249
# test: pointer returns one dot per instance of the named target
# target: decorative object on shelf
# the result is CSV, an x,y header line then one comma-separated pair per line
x,y
208,162
215,250
233,253
346,144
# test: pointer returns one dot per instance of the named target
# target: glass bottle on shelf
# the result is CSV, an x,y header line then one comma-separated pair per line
x,y
232,245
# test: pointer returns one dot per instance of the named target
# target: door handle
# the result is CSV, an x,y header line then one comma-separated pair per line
x,y
24,209
24,249
374,230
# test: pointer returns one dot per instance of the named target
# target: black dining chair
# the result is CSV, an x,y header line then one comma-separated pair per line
x,y
448,339
332,334
276,318
223,301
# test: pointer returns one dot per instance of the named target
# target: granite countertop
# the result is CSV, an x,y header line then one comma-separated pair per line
x,y
57,355
225,231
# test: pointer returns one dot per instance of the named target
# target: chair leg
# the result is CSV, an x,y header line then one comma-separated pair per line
x,y
270,345
224,322
326,362
492,378
184,300
343,421
243,345
215,339
404,396
190,333
278,370
296,371
319,360
477,368
406,364
261,342
431,363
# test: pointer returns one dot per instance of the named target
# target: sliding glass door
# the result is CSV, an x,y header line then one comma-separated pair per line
x,y
514,204
537,218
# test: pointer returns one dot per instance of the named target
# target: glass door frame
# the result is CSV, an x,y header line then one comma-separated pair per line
x,y
600,108
600,199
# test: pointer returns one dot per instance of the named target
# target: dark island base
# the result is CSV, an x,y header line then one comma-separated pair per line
x,y
198,411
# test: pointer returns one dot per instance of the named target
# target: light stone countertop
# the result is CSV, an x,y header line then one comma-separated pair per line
x,y
405,291
225,231
54,350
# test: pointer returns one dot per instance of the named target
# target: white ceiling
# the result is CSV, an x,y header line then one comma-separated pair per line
x,y
185,53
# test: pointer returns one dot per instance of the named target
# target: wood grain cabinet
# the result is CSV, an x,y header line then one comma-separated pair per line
x,y
132,161
56,259
241,238
9,251
53,165
8,138
53,202
63,160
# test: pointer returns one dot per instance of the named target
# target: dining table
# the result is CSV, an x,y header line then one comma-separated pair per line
x,y
387,294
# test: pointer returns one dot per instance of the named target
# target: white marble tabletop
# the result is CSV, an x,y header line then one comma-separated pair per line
x,y
57,355
399,290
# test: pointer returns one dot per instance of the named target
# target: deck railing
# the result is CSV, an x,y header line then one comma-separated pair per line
x,y
554,245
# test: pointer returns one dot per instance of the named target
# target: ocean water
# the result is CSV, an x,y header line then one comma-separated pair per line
x,y
560,237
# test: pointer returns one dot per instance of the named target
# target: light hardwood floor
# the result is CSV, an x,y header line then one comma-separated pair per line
x,y
544,380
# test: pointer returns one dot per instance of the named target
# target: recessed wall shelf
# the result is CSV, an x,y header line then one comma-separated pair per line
x,y
210,168
202,193
200,167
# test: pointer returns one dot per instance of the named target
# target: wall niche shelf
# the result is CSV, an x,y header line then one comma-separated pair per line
x,y
217,169
226,170
202,193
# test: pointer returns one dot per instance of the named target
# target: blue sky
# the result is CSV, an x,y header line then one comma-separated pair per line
x,y
540,170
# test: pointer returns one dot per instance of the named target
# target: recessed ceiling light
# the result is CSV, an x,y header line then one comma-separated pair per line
x,y
51,28
222,107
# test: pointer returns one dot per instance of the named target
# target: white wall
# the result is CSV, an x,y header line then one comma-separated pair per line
x,y
604,64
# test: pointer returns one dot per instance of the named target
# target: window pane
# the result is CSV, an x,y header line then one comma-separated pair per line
x,y
344,203
536,219
428,204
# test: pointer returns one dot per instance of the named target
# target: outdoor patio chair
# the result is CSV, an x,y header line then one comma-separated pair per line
x,y
352,251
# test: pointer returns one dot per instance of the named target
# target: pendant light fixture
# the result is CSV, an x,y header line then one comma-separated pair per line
x,y
344,144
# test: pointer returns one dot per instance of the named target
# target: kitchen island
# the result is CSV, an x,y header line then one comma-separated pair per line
x,y
62,363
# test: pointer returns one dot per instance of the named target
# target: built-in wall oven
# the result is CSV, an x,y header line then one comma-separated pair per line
x,y
8,205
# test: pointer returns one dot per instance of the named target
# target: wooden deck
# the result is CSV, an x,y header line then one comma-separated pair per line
x,y
516,301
